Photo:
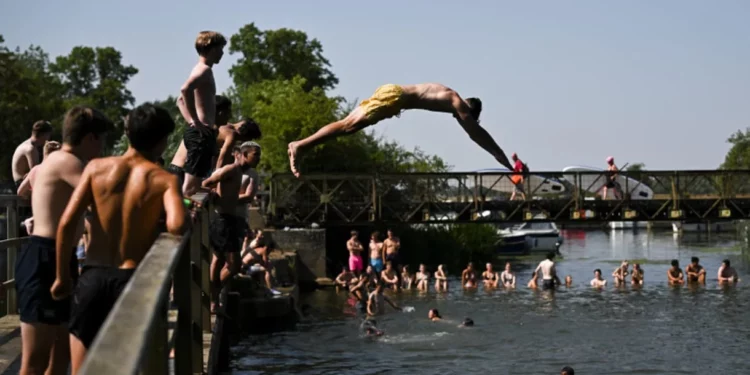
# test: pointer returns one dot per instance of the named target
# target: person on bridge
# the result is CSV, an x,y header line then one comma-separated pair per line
x,y
519,169
127,195
389,100
612,180
27,154
44,330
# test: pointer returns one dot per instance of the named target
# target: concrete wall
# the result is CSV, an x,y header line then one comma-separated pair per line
x,y
310,245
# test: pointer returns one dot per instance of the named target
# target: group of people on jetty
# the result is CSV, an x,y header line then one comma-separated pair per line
x,y
367,284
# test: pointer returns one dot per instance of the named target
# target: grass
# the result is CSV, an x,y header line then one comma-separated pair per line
x,y
640,261
717,249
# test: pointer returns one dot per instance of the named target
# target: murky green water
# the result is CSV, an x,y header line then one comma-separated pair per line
x,y
655,330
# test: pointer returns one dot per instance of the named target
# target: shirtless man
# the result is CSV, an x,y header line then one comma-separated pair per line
x,y
376,301
389,100
598,281
344,279
24,189
727,274
376,255
620,273
612,179
26,155
568,281
355,250
391,247
226,229
44,320
636,277
549,273
390,276
127,195
674,274
230,134
695,272
198,107
469,277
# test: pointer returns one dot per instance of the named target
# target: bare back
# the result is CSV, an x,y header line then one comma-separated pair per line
x,y
429,96
129,195
54,182
204,95
24,158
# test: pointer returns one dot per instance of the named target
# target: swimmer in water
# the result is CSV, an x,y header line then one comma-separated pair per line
x,y
370,329
695,272
727,274
441,281
390,276
598,281
423,279
636,278
507,277
674,274
434,315
568,281
567,370
376,301
549,272
467,323
620,273
469,277
489,277
532,283
407,279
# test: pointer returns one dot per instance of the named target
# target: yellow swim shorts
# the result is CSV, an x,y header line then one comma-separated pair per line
x,y
386,102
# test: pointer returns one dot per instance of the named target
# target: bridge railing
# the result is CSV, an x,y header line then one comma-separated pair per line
x,y
134,338
13,208
425,197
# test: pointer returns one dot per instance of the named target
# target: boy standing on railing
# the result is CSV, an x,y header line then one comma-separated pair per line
x,y
128,194
44,330
227,228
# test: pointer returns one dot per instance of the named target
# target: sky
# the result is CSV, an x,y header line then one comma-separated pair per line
x,y
562,82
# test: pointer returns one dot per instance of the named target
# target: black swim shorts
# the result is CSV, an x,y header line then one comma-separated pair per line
x,y
95,294
35,274
177,171
226,233
200,142
548,284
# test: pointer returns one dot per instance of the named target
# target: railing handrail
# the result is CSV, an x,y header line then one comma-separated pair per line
x,y
365,175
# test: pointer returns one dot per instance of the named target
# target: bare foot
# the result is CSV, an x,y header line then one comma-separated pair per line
x,y
292,152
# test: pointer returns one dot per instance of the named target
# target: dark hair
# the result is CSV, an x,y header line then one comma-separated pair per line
x,y
468,322
41,127
81,121
567,370
694,260
223,103
475,107
249,130
147,125
236,149
598,270
354,233
436,312
726,261
675,263
375,234
551,255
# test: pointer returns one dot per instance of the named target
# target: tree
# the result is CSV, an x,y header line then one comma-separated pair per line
x,y
97,77
174,140
30,92
738,156
279,55
287,112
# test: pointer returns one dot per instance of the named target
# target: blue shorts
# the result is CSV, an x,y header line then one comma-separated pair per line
x,y
35,273
377,265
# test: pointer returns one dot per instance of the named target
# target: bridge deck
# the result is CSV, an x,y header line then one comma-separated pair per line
x,y
469,197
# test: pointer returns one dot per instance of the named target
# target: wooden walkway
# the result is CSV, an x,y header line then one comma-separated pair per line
x,y
10,342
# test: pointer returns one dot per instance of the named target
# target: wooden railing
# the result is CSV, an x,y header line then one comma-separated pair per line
x,y
135,336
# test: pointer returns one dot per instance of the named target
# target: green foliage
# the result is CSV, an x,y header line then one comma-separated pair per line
x,y
30,92
280,54
738,156
97,77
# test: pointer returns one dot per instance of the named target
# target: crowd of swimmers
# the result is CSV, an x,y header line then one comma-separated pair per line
x,y
110,210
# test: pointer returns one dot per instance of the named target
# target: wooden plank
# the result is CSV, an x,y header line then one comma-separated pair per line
x,y
13,242
10,341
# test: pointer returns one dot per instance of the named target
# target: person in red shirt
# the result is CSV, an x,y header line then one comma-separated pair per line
x,y
517,177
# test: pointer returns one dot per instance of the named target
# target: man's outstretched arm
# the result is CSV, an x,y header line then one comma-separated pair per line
x,y
477,133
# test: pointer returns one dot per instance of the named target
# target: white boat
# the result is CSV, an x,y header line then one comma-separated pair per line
x,y
678,226
627,224
593,183
540,236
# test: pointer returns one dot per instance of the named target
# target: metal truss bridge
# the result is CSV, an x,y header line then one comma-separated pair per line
x,y
357,199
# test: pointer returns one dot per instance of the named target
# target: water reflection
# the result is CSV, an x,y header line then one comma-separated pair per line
x,y
653,329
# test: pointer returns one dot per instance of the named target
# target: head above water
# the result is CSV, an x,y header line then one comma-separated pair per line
x,y
147,128
567,370
475,107
726,262
467,322
675,263
694,260
597,272
433,313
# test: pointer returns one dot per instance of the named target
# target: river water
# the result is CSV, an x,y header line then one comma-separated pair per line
x,y
655,330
